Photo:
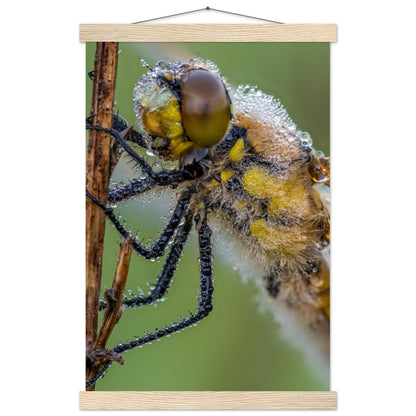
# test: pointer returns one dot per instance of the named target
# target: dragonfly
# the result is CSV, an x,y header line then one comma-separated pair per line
x,y
239,164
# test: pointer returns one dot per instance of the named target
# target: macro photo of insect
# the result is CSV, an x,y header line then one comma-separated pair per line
x,y
214,270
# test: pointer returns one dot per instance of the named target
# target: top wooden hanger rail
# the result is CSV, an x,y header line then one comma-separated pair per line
x,y
208,32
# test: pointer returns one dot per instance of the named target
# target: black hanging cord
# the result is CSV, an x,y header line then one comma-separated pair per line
x,y
208,9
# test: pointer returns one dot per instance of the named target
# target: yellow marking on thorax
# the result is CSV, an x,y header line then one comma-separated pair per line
x,y
181,148
273,237
285,195
255,182
226,174
237,151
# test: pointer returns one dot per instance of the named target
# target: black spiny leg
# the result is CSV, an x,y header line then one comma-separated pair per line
x,y
99,374
158,247
205,294
162,284
165,276
123,192
204,299
120,138
120,124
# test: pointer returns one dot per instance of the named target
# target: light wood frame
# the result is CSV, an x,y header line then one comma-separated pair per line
x,y
210,400
208,33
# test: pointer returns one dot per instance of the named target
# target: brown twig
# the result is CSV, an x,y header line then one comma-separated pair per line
x,y
99,163
99,356
115,294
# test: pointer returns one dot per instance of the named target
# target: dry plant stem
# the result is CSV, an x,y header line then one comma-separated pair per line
x,y
99,356
115,294
98,177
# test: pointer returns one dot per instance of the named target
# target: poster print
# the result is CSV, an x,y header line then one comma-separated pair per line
x,y
263,208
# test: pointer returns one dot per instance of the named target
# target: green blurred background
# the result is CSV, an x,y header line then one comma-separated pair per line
x,y
237,347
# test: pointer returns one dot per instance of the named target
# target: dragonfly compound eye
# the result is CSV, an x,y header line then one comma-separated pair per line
x,y
206,108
